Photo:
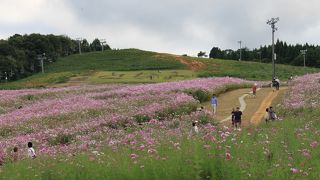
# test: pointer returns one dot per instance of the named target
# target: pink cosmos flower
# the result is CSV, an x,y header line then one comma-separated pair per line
x,y
228,156
314,144
294,170
142,147
134,156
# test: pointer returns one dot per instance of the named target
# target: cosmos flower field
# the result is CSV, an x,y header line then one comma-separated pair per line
x,y
143,132
65,120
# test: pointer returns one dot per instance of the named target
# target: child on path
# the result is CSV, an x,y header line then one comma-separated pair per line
x,y
214,104
31,151
237,118
266,116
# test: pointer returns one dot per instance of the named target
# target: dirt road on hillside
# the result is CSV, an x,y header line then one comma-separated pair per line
x,y
254,108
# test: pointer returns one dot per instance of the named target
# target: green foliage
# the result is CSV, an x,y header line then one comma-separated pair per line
x,y
139,118
200,94
176,111
19,55
61,139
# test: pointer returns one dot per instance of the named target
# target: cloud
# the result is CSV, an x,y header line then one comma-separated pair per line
x,y
176,26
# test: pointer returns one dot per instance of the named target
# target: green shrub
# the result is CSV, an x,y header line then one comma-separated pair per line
x,y
200,95
139,118
61,139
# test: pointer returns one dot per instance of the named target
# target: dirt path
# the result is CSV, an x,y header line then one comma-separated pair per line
x,y
253,108
259,114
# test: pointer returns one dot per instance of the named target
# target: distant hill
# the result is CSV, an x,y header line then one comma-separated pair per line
x,y
138,66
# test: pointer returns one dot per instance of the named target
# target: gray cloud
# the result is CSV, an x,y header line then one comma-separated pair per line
x,y
176,26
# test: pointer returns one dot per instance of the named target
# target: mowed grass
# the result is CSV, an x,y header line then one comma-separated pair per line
x,y
139,66
250,70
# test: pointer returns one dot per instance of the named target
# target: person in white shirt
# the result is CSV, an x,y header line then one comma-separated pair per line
x,y
31,151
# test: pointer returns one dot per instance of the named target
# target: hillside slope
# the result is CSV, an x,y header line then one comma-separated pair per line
x,y
138,66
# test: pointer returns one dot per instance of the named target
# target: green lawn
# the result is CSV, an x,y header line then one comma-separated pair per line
x,y
250,70
137,66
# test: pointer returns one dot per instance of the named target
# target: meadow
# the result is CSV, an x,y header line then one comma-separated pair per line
x,y
101,122
157,148
137,66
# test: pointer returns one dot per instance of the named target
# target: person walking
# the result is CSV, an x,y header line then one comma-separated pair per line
x,y
232,118
237,118
214,104
277,83
254,90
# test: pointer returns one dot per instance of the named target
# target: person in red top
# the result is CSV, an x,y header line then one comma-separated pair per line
x,y
254,90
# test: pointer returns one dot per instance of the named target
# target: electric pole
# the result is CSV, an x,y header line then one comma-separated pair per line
x,y
79,44
304,52
42,57
240,50
272,23
102,42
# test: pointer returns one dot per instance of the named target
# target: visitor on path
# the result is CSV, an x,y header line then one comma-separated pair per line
x,y
254,90
275,84
31,151
272,114
214,104
267,116
237,118
232,118
277,81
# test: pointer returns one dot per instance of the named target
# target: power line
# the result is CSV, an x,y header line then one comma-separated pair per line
x,y
272,23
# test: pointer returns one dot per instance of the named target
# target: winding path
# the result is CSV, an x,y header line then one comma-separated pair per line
x,y
243,105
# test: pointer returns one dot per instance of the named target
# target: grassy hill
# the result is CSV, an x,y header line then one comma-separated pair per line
x,y
137,66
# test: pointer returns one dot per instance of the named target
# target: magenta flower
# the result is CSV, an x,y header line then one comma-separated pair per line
x,y
294,170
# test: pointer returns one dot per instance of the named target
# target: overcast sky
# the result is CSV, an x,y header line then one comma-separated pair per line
x,y
174,26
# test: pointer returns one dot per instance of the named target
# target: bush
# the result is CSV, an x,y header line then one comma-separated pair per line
x,y
200,94
204,74
141,118
61,139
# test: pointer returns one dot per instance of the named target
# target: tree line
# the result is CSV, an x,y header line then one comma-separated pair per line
x,y
20,55
285,54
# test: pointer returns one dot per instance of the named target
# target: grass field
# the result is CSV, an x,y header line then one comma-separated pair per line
x,y
137,66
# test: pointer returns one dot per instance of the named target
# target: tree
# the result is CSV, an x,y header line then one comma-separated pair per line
x,y
215,53
202,54
96,45
85,46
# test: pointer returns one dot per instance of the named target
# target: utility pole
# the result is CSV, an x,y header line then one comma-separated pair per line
x,y
42,57
6,77
304,52
272,23
102,42
79,44
259,52
240,50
